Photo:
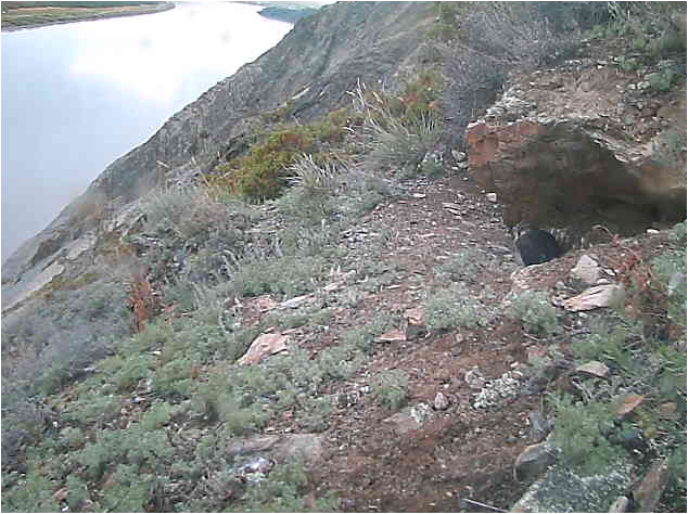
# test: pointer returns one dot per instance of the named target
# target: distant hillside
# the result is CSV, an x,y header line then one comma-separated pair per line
x,y
287,14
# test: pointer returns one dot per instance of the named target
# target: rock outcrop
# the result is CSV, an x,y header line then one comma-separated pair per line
x,y
584,144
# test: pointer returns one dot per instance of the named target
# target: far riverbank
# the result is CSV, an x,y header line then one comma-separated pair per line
x,y
23,15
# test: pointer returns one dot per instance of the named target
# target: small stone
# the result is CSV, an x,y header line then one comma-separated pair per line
x,y
596,368
402,422
648,493
265,303
629,404
540,426
621,504
491,197
586,270
668,410
263,346
459,156
393,336
474,378
61,494
441,402
533,461
296,302
536,353
415,316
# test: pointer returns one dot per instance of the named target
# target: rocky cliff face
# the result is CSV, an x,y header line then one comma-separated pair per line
x,y
312,68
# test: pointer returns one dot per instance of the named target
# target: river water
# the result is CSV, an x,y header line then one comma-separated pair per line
x,y
77,96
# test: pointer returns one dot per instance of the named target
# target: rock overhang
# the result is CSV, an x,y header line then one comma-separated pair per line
x,y
571,172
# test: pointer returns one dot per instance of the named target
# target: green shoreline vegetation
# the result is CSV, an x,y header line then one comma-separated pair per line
x,y
16,15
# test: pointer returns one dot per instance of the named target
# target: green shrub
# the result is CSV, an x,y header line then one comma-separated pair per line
x,y
173,380
72,437
93,407
675,494
391,388
284,490
580,434
456,306
239,419
340,362
262,173
35,494
463,266
157,416
133,446
317,414
77,493
289,276
201,230
538,315
129,491
363,338
663,80
153,337
670,268
134,368
609,342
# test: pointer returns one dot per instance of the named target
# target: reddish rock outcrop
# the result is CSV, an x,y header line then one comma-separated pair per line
x,y
583,145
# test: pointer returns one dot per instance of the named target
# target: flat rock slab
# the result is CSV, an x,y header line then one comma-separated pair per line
x,y
561,490
410,418
606,295
596,368
280,448
264,346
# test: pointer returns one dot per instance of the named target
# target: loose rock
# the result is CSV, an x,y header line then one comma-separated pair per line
x,y
596,368
587,271
474,378
606,295
629,404
533,461
263,346
441,402
648,493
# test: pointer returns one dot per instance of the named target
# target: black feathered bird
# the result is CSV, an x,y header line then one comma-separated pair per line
x,y
535,246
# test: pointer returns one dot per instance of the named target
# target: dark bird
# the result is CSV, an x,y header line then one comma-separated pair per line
x,y
536,246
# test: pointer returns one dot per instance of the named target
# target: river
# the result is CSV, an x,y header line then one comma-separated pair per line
x,y
77,96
